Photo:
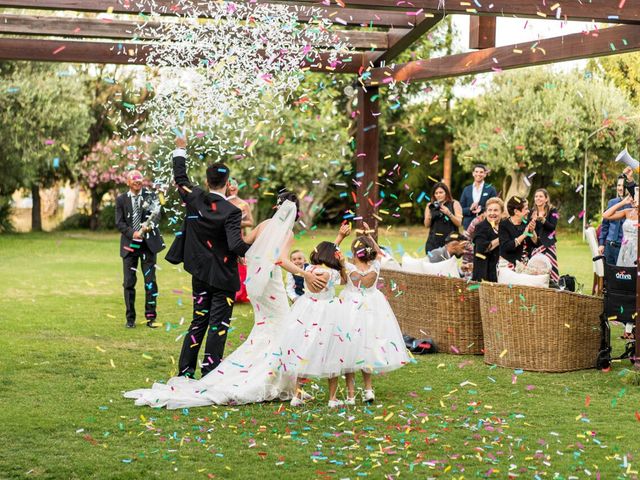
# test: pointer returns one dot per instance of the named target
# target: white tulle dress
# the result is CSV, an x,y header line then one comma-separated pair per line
x,y
628,255
371,339
310,326
253,372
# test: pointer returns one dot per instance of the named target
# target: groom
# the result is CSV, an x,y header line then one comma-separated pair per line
x,y
212,245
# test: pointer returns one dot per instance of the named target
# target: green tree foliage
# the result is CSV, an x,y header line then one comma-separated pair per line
x,y
536,121
306,153
44,119
623,70
114,92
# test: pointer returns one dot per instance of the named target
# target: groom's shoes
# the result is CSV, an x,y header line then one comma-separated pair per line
x,y
130,325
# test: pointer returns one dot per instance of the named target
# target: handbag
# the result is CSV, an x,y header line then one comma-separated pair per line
x,y
419,347
175,255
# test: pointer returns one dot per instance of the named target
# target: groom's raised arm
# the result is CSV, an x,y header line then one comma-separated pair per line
x,y
180,168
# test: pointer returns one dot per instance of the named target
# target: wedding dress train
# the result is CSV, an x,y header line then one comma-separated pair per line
x,y
252,373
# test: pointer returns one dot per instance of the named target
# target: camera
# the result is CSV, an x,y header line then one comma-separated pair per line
x,y
434,205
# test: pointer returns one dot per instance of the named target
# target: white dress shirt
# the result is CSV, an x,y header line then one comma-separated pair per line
x,y
477,192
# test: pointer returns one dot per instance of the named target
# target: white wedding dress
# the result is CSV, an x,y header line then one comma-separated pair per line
x,y
628,255
253,373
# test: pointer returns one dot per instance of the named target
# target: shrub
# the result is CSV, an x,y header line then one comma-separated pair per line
x,y
107,218
5,215
78,221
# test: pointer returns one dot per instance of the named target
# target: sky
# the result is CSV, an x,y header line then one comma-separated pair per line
x,y
516,30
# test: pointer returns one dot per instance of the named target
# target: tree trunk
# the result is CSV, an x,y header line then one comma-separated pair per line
x,y
71,196
95,209
50,198
603,196
517,187
448,162
36,213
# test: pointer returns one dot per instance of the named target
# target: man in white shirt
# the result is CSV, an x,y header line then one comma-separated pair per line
x,y
474,197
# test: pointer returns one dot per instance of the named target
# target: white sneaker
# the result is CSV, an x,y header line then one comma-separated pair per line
x,y
335,403
297,402
350,401
369,396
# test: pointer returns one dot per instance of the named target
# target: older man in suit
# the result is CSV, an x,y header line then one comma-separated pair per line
x,y
137,215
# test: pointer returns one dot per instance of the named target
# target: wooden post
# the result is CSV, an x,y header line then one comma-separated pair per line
x,y
482,32
448,162
367,153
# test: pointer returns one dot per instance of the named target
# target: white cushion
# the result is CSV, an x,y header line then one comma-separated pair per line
x,y
598,266
509,277
389,263
447,268
412,265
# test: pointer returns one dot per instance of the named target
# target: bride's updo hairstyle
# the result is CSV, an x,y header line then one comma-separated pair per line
x,y
327,254
285,195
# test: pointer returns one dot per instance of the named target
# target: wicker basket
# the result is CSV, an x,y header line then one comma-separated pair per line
x,y
445,309
539,329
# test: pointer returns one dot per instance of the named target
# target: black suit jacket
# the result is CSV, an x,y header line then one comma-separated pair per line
x,y
484,262
124,223
211,238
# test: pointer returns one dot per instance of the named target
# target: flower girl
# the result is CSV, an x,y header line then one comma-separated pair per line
x,y
368,324
311,323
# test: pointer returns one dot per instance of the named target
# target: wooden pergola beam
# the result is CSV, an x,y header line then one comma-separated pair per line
x,y
342,16
606,11
124,29
131,53
406,40
608,41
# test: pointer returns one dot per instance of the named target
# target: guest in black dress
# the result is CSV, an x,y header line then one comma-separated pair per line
x,y
442,216
545,216
517,237
486,242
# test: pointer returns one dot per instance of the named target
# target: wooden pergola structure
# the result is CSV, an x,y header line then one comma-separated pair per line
x,y
380,30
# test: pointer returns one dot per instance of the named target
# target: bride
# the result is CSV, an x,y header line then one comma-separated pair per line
x,y
628,255
253,373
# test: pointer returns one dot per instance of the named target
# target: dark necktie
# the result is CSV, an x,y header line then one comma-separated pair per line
x,y
137,213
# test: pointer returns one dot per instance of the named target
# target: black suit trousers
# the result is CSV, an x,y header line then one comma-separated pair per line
x,y
147,260
212,309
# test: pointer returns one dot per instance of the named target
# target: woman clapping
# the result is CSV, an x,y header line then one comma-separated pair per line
x,y
545,217
486,242
517,237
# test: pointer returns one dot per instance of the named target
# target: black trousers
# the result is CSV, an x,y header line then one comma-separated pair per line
x,y
147,259
212,309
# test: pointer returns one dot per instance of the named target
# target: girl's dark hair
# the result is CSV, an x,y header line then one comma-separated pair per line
x,y
364,249
285,195
447,192
326,253
515,203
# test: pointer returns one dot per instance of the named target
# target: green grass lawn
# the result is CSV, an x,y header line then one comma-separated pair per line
x,y
65,358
